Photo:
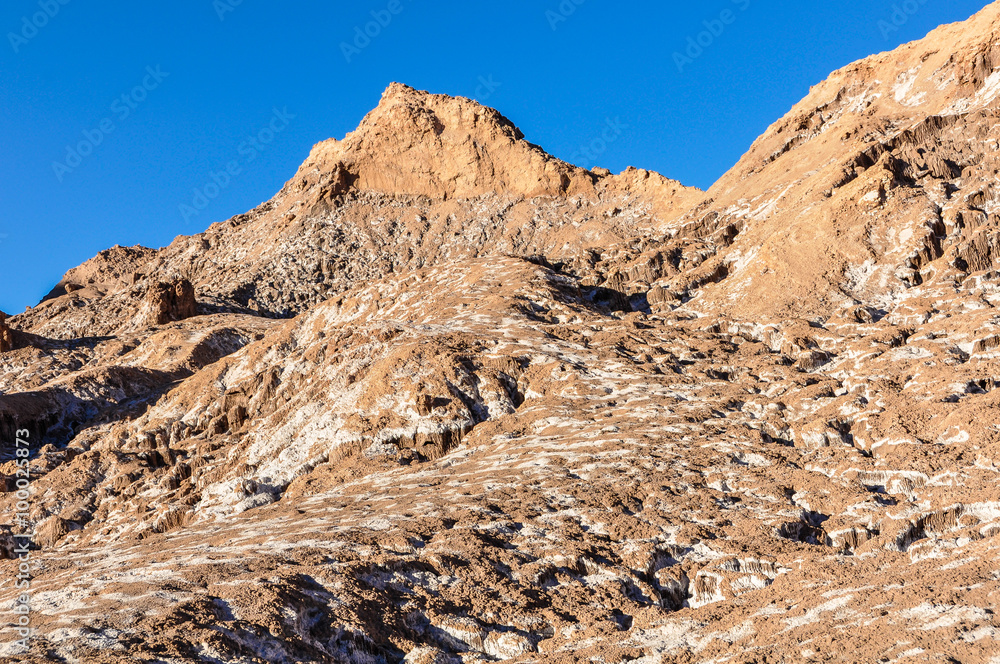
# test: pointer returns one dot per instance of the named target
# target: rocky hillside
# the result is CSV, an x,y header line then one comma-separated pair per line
x,y
425,179
882,179
446,399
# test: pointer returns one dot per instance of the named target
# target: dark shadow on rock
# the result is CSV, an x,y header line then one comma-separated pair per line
x,y
56,415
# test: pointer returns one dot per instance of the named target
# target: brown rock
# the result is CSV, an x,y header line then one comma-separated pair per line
x,y
6,334
168,302
454,400
49,532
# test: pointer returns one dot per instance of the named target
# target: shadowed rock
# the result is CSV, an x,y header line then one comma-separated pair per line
x,y
168,302
460,401
6,334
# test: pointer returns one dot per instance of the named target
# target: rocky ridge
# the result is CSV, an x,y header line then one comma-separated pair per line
x,y
446,398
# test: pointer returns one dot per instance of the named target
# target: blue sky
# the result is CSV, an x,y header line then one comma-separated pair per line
x,y
132,123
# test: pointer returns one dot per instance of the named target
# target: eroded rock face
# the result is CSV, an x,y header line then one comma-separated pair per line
x,y
425,179
6,334
166,303
462,402
108,271
882,179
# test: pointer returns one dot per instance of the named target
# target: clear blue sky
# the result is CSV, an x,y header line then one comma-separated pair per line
x,y
220,80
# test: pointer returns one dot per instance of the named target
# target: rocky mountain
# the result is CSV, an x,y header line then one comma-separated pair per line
x,y
425,179
446,398
882,179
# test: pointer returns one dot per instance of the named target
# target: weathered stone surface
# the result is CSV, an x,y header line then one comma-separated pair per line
x,y
448,399
6,334
166,303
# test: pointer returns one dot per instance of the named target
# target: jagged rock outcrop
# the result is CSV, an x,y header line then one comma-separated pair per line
x,y
440,147
424,179
110,270
446,398
6,335
166,303
882,179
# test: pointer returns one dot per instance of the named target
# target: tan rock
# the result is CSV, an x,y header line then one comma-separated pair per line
x,y
49,532
167,302
453,400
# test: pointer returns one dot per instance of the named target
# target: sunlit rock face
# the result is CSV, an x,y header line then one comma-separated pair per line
x,y
446,399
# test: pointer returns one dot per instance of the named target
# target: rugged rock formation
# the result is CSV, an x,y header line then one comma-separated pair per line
x,y
6,335
448,399
424,179
108,271
440,147
883,178
166,303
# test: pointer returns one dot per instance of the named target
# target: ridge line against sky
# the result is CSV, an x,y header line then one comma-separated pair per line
x,y
119,121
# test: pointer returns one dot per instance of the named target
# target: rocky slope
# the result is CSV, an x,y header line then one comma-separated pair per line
x,y
448,399
883,178
424,179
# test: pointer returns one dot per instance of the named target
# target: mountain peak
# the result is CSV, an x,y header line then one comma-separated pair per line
x,y
424,144
664,426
